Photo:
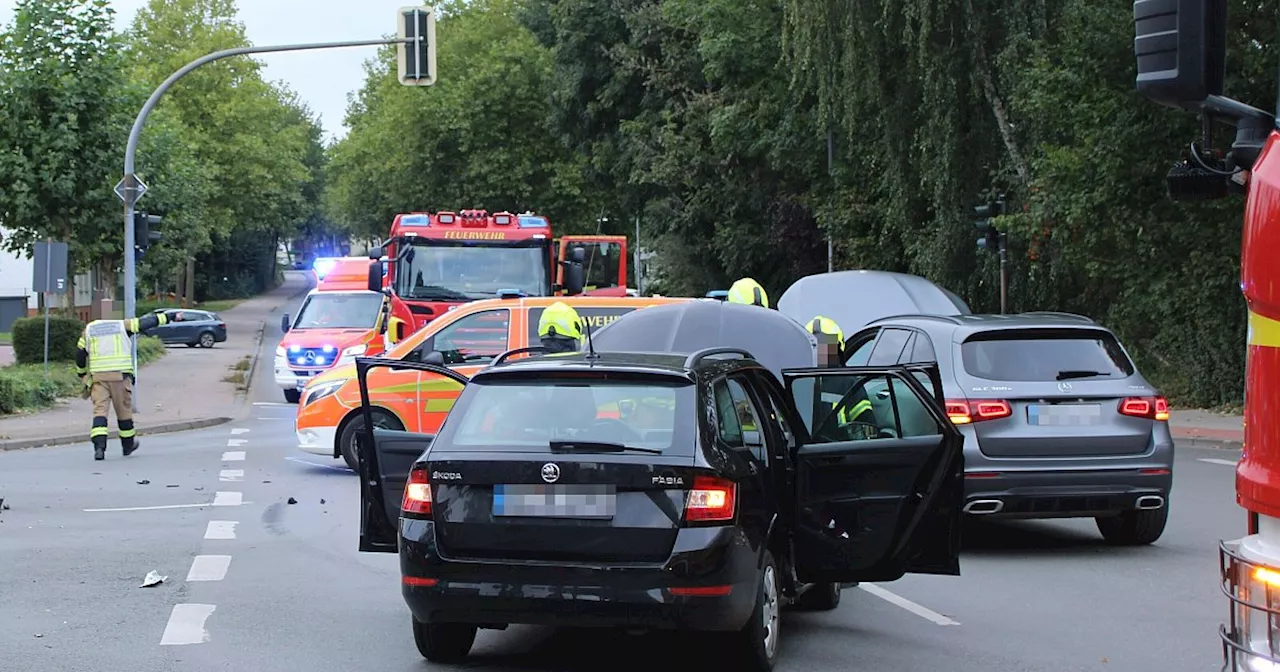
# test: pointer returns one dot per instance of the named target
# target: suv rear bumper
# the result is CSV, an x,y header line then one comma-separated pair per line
x,y
1066,494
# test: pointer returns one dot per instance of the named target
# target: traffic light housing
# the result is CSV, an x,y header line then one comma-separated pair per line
x,y
416,59
990,238
144,233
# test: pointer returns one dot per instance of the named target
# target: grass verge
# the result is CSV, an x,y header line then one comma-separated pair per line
x,y
6,338
24,387
239,374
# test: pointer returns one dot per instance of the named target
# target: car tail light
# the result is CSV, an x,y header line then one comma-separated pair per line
x,y
417,494
711,499
965,411
1155,408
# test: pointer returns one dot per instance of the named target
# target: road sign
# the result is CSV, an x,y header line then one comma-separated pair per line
x,y
127,184
50,273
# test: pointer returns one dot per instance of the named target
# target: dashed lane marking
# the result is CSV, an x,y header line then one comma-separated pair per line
x,y
233,456
228,499
272,403
231,475
236,443
317,464
209,568
921,611
238,430
186,625
221,529
1215,460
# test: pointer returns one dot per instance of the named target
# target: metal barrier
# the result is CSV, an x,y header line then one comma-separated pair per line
x,y
1238,652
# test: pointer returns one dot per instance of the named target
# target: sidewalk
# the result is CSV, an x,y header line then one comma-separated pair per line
x,y
1206,429
182,390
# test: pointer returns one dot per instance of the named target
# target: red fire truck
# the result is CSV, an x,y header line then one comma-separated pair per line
x,y
1181,55
433,262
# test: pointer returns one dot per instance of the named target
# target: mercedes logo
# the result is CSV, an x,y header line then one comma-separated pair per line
x,y
1064,387
311,356
550,472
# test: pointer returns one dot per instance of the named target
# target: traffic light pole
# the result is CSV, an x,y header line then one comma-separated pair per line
x,y
1004,276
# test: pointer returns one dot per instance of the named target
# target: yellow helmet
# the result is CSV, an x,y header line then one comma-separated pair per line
x,y
749,292
560,319
825,325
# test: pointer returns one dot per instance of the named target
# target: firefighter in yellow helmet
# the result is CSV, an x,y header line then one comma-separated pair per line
x,y
560,328
748,291
104,362
856,408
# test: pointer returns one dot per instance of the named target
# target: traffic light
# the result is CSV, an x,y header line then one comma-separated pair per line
x,y
416,59
143,234
990,239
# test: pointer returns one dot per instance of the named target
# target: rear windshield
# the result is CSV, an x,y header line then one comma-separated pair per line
x,y
1045,356
527,415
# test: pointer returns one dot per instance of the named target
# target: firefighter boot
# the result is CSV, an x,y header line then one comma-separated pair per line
x,y
99,447
128,442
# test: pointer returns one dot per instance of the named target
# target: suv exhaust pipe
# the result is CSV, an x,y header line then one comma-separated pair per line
x,y
983,507
1148,502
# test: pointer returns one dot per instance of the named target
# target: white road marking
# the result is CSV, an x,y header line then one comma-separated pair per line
x,y
221,529
317,464
233,456
892,598
231,475
236,443
228,499
238,430
186,625
209,568
150,508
1214,460
275,417
272,403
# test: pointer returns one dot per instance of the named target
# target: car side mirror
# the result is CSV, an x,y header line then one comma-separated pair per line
x,y
284,322
750,438
375,252
375,277
1180,70
434,357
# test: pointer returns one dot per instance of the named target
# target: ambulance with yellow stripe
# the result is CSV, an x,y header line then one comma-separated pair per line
x,y
465,339
1181,52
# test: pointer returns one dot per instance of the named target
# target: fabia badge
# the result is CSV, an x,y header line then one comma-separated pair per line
x,y
550,472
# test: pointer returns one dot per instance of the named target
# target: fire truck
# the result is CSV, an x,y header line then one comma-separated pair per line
x,y
1180,47
432,262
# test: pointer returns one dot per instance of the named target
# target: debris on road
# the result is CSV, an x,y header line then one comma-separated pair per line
x,y
322,500
171,485
153,579
292,501
38,635
144,482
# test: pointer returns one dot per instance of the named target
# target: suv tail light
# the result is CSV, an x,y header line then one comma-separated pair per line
x,y
965,411
711,499
417,494
1154,408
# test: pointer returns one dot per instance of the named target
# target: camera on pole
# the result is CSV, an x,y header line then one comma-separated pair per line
x,y
416,59
144,233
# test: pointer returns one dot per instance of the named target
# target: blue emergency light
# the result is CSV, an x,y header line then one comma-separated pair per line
x,y
415,220
721,294
533,222
323,265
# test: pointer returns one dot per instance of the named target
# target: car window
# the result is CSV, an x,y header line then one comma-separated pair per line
x,y
889,347
527,415
774,406
748,419
920,352
472,339
596,317
852,407
728,426
1045,355
861,353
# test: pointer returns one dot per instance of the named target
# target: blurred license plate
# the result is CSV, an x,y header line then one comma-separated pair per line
x,y
555,501
1064,415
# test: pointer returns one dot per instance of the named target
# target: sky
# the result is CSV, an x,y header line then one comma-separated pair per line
x,y
321,78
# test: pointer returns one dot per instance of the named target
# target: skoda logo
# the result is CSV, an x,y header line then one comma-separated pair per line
x,y
1064,387
550,472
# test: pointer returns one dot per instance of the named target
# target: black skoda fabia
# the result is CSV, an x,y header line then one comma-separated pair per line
x,y
700,490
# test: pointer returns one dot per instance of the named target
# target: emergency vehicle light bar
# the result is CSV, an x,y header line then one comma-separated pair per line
x,y
502,219
533,222
445,217
415,220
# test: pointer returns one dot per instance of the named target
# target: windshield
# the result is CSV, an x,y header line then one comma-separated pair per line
x,y
457,271
1047,355
347,310
531,415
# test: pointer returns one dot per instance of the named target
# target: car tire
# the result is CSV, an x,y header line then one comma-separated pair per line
x,y
444,642
292,396
207,339
821,597
757,642
346,440
1134,528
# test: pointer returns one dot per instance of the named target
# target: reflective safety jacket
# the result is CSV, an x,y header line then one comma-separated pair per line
x,y
104,345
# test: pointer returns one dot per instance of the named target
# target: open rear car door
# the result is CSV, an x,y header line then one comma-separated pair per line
x,y
385,469
879,475
604,264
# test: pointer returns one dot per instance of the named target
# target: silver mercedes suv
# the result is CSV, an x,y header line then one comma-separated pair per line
x,y
1057,420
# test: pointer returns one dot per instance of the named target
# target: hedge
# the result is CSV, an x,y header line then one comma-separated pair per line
x,y
24,386
28,339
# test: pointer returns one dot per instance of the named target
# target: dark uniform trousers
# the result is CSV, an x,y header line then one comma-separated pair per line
x,y
112,388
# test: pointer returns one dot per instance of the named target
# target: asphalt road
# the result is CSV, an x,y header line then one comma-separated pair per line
x,y
255,583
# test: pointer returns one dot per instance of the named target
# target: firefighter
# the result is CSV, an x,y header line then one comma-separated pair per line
x,y
856,409
104,362
748,291
560,328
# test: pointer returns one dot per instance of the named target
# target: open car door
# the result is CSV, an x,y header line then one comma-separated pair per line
x,y
604,266
384,470
879,475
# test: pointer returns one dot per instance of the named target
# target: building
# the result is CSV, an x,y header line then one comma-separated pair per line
x,y
16,296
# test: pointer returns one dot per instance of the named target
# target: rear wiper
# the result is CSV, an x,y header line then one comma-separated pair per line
x,y
597,447
1063,375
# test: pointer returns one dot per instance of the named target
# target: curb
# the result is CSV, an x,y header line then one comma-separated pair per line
x,y
167,428
1187,441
